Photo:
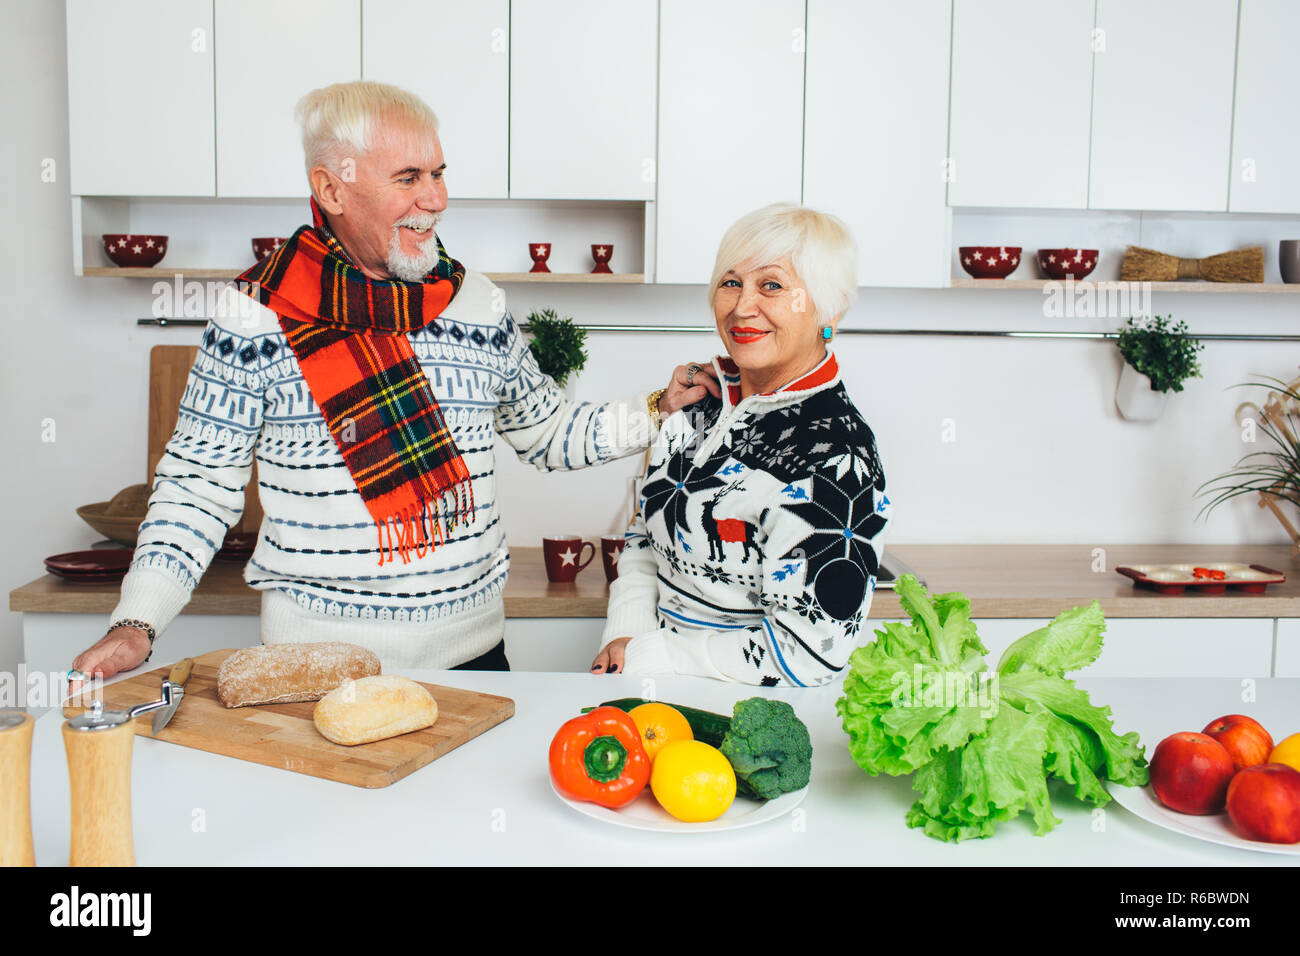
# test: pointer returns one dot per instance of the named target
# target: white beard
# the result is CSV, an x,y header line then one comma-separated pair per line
x,y
413,268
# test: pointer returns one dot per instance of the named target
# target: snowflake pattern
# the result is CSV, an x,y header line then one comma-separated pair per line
x,y
815,460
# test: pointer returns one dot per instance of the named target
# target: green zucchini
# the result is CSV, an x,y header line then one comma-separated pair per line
x,y
707,727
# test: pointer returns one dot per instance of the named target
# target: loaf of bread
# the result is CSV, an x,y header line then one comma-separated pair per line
x,y
373,708
284,673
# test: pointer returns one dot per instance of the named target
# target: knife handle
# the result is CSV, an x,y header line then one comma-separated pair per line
x,y
180,671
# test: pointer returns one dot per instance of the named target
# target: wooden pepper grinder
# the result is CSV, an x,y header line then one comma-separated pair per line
x,y
99,769
16,789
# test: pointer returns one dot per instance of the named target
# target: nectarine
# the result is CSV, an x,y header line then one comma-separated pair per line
x,y
1245,739
1190,773
1264,803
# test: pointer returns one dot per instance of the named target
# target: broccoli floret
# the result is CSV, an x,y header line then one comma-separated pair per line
x,y
769,748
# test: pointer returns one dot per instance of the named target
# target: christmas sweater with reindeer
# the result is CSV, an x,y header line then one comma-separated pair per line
x,y
754,554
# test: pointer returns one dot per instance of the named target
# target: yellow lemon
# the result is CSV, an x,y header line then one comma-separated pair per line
x,y
1287,752
693,781
660,725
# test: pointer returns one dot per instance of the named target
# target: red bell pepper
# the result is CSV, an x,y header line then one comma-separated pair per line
x,y
598,758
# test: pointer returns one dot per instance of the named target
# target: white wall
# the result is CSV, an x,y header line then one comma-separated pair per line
x,y
1040,453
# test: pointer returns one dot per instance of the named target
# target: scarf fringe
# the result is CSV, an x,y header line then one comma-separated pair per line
x,y
424,526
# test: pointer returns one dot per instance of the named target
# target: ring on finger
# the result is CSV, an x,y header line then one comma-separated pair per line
x,y
690,374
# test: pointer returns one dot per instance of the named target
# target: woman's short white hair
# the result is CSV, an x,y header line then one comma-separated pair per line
x,y
339,121
820,247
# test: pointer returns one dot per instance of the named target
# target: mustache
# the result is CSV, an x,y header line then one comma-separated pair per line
x,y
419,221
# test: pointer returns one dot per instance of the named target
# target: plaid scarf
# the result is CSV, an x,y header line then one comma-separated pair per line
x,y
348,333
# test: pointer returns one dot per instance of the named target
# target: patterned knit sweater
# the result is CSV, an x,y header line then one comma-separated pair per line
x,y
754,555
317,554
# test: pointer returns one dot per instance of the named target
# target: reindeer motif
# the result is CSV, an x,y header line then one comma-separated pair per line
x,y
727,530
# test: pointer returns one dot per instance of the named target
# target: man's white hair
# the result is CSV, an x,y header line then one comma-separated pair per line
x,y
820,247
339,121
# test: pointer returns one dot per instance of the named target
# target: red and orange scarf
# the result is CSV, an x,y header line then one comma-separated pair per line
x,y
348,332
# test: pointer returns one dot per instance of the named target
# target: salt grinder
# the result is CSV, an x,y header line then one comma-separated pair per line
x,y
16,789
99,769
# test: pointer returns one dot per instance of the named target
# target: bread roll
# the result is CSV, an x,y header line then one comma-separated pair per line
x,y
284,673
373,708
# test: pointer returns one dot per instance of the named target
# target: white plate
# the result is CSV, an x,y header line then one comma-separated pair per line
x,y
644,813
1216,828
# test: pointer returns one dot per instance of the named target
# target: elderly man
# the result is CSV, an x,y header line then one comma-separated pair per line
x,y
368,383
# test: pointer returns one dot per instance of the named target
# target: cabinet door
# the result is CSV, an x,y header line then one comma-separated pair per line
x,y
1266,118
582,99
140,118
1162,104
873,157
1157,647
456,56
1021,95
730,122
270,53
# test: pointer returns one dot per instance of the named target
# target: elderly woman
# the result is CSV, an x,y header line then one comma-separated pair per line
x,y
754,555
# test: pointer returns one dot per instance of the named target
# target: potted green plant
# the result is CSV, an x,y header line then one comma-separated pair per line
x,y
1158,358
1273,474
557,344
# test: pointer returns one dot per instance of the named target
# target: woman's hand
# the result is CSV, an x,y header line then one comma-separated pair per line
x,y
610,658
689,384
121,649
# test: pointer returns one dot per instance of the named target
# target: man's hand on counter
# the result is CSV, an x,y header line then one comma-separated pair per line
x,y
121,649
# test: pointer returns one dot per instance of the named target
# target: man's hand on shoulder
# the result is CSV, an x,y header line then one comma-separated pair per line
x,y
689,384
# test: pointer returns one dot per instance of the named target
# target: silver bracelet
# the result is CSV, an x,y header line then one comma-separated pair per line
x,y
147,628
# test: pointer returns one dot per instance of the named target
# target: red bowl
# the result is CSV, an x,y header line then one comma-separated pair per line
x,y
1067,263
989,262
263,246
127,250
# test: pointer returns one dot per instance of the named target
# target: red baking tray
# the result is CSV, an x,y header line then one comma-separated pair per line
x,y
1180,578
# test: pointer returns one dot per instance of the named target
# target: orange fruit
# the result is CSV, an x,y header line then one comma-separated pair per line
x,y
1287,752
660,725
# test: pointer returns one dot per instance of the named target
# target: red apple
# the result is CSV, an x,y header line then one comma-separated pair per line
x,y
1245,739
1190,773
1264,803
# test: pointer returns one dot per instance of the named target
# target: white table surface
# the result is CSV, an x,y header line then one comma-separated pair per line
x,y
490,802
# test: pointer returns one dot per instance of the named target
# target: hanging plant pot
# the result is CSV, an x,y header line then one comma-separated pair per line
x,y
1135,398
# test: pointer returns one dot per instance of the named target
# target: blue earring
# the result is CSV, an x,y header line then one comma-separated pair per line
x,y
826,333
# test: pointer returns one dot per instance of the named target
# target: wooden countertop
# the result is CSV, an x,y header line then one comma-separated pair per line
x,y
1001,580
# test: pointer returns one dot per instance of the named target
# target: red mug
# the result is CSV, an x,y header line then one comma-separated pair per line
x,y
563,555
611,549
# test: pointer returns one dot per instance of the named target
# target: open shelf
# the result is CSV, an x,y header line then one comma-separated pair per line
x,y
1190,285
170,274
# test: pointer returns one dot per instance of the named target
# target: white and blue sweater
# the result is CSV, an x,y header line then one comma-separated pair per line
x,y
317,553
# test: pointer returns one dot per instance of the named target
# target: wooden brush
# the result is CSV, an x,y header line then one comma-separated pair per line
x,y
1148,265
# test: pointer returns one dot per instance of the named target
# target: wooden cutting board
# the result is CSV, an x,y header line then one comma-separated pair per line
x,y
284,736
169,369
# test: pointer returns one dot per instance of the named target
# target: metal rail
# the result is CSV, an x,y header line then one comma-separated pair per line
x,y
1208,337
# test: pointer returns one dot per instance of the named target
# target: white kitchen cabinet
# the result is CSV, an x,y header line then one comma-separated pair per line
x,y
456,57
269,53
140,115
1157,647
730,123
1162,104
876,133
582,99
1286,650
1266,116
1021,100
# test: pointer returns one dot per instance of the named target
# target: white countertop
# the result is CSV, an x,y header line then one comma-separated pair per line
x,y
490,801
